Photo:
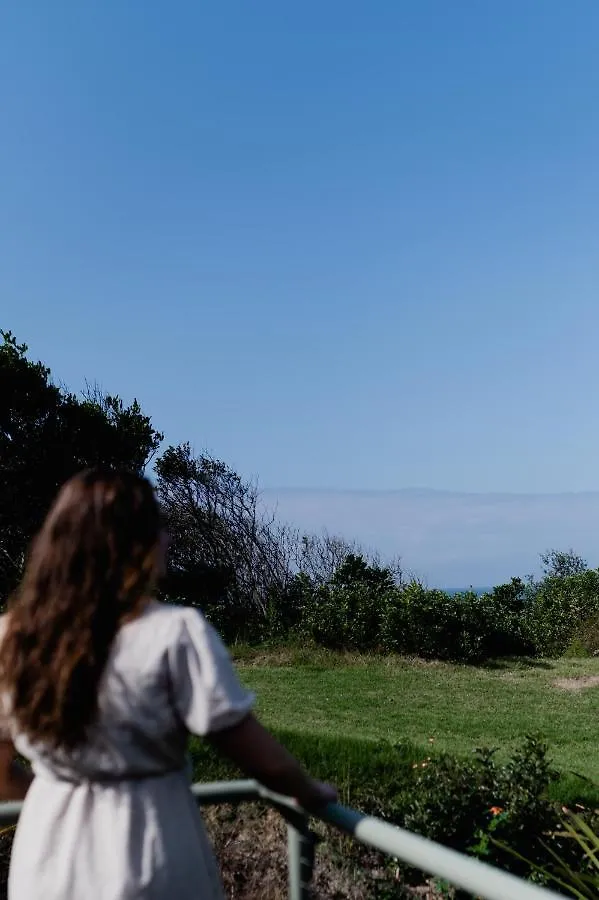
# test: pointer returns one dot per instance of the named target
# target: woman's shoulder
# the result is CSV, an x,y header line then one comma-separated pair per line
x,y
185,629
181,635
146,641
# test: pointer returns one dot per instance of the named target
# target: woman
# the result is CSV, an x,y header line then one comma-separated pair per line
x,y
101,687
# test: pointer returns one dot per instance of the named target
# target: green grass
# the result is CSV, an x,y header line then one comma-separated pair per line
x,y
367,724
369,775
314,694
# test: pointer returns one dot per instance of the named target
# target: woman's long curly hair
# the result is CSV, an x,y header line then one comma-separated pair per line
x,y
90,568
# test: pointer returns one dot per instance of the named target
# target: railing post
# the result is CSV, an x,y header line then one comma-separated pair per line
x,y
300,858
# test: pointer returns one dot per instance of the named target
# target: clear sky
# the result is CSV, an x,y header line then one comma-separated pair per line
x,y
341,244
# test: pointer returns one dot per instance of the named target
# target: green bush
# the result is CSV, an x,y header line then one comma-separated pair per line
x,y
346,612
480,807
561,609
362,614
579,879
343,617
461,628
586,640
362,608
440,626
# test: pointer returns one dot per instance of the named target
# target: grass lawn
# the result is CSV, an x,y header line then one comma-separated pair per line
x,y
460,707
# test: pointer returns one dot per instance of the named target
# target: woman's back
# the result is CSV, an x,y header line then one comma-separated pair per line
x,y
168,674
100,688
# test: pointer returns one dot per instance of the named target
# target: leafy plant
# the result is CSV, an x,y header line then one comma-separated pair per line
x,y
561,610
347,612
477,805
579,879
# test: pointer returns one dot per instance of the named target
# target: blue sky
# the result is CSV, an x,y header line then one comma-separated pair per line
x,y
340,244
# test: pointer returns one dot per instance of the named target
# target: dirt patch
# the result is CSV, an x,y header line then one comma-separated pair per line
x,y
250,844
579,683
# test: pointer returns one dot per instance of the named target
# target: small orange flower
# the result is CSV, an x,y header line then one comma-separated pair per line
x,y
496,810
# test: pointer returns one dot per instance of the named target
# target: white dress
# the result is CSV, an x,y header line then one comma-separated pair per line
x,y
116,820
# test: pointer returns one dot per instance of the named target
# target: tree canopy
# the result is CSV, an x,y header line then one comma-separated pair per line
x,y
47,434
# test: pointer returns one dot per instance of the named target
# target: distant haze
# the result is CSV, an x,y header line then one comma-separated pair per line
x,y
451,540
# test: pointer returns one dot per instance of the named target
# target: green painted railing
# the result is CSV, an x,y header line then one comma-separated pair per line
x,y
477,878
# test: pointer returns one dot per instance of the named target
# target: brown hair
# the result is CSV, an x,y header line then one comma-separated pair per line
x,y
90,568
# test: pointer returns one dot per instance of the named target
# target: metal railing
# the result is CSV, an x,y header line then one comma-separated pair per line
x,y
479,879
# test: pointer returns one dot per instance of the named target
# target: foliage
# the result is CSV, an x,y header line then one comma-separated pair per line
x,y
561,609
586,639
562,564
46,435
482,807
320,556
578,876
361,607
463,627
345,612
227,554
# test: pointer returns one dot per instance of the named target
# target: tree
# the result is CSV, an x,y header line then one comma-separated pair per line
x,y
356,570
227,554
562,564
48,434
320,556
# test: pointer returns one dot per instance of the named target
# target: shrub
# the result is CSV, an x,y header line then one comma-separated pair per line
x,y
582,880
344,617
473,805
561,609
586,640
462,627
361,608
346,612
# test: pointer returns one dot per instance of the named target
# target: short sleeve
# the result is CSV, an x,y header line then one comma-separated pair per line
x,y
207,693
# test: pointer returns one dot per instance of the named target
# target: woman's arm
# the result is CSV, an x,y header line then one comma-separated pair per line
x,y
14,778
256,752
208,697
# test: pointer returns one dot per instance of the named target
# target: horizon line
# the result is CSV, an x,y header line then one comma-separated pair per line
x,y
423,490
